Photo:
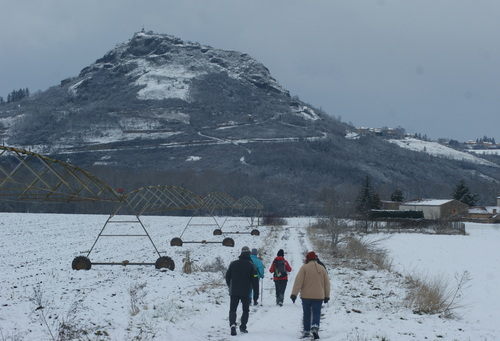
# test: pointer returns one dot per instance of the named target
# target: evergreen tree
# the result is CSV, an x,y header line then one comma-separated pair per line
x,y
17,95
397,195
367,198
461,192
376,203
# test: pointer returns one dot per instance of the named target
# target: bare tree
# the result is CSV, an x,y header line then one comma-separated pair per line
x,y
337,209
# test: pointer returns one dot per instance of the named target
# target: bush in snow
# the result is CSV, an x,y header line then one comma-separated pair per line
x,y
436,295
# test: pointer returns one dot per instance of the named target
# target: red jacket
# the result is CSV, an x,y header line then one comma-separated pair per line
x,y
288,268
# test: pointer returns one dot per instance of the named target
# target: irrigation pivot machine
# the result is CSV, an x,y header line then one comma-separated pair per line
x,y
210,205
26,176
31,177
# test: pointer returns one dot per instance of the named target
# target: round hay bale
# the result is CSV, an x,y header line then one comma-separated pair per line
x,y
255,232
217,232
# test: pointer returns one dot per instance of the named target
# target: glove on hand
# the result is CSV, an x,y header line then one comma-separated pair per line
x,y
326,299
293,297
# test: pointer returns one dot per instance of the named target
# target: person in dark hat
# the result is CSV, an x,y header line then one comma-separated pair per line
x,y
314,286
280,269
241,278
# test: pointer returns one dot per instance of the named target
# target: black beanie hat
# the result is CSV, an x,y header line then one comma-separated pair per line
x,y
281,253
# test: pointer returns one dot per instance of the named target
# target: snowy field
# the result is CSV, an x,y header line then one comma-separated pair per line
x,y
439,150
115,302
485,151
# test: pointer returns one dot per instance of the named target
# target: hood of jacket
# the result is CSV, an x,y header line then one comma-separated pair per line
x,y
245,255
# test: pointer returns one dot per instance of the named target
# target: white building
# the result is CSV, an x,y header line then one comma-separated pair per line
x,y
436,208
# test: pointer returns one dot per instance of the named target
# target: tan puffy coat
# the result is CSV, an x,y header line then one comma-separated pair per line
x,y
312,282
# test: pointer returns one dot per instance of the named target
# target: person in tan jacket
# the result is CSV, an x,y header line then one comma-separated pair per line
x,y
314,286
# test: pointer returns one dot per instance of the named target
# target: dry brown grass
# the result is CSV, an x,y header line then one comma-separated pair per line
x,y
188,266
357,248
345,246
137,295
61,326
436,295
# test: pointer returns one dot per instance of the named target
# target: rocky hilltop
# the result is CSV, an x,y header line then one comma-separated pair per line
x,y
158,90
159,110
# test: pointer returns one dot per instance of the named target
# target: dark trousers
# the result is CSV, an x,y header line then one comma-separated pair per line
x,y
280,286
312,313
233,306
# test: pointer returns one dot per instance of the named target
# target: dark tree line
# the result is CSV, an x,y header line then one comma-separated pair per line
x,y
368,198
16,96
486,139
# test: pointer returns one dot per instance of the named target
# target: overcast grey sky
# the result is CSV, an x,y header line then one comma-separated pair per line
x,y
429,66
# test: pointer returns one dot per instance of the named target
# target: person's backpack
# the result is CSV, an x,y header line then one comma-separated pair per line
x,y
279,268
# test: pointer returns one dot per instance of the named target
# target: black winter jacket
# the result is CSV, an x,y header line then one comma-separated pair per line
x,y
242,277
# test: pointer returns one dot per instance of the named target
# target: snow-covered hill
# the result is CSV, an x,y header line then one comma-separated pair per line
x,y
157,110
155,87
437,149
140,302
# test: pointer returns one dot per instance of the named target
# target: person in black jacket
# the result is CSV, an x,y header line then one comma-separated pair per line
x,y
241,278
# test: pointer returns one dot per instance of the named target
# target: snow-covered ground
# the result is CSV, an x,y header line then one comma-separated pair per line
x,y
431,256
485,151
437,149
115,302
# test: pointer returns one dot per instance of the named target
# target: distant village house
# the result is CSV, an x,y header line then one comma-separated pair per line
x,y
436,208
483,212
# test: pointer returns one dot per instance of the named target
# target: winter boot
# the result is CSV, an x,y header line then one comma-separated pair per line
x,y
315,332
306,335
243,329
233,330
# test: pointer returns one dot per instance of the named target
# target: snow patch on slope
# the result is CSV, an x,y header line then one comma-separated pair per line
x,y
118,135
164,81
485,151
352,135
436,149
306,112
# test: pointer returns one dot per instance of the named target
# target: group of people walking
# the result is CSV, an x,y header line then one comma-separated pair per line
x,y
312,282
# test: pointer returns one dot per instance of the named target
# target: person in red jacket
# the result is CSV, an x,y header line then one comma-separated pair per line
x,y
280,268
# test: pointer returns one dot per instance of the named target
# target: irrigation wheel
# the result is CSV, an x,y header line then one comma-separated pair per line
x,y
176,242
165,262
81,263
228,242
